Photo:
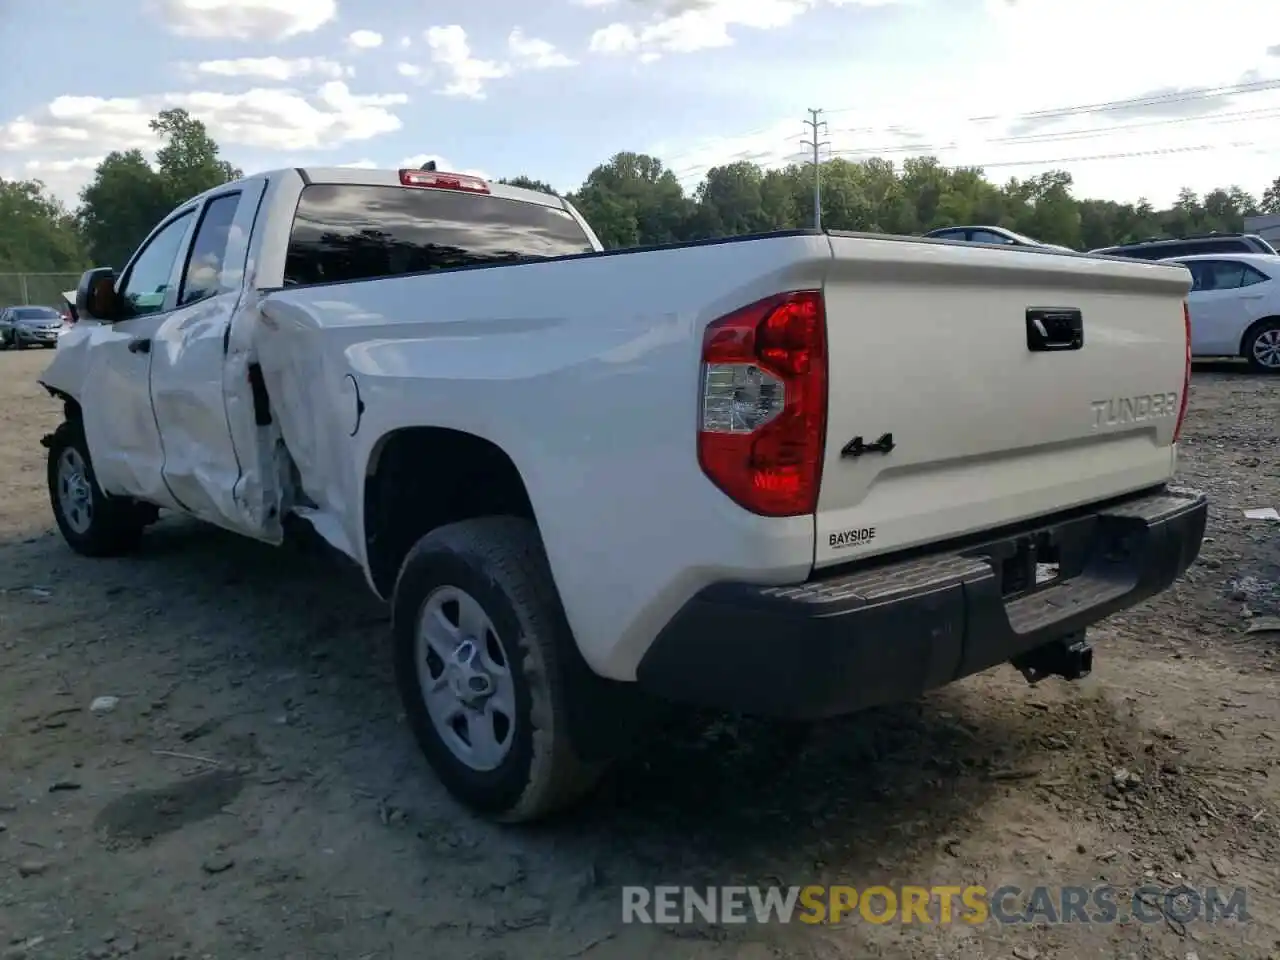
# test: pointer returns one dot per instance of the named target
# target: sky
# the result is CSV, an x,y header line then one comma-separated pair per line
x,y
1136,98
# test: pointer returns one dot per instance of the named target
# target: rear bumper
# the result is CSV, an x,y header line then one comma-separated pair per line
x,y
854,638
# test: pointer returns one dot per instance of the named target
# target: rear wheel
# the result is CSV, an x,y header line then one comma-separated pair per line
x,y
480,641
1262,347
92,523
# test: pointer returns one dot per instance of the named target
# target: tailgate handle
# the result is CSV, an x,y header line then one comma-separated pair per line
x,y
1054,328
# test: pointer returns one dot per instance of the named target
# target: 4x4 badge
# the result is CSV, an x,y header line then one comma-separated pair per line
x,y
856,447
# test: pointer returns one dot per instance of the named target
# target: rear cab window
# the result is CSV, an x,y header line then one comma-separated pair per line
x,y
344,232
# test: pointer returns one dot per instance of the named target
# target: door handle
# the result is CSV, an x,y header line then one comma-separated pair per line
x,y
141,345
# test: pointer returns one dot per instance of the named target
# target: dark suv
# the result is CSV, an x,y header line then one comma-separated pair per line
x,y
1157,249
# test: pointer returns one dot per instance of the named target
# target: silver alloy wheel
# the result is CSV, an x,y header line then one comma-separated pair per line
x,y
1266,349
75,495
465,677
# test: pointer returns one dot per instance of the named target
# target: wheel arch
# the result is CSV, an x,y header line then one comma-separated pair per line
x,y
1253,328
420,478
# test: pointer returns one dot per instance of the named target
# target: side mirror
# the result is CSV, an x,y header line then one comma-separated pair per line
x,y
96,295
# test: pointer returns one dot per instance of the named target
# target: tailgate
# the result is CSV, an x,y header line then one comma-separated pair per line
x,y
929,344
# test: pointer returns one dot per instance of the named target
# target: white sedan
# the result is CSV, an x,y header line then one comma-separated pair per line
x,y
1235,307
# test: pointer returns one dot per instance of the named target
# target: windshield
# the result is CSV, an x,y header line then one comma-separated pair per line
x,y
36,313
1267,248
357,232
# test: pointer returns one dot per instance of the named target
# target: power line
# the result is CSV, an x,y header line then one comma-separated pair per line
x,y
926,148
1146,100
921,149
1105,156
815,124
1119,156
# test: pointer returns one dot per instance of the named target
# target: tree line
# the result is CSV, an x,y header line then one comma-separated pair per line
x,y
634,200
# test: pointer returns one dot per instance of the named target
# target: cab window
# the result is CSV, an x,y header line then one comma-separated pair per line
x,y
202,277
148,280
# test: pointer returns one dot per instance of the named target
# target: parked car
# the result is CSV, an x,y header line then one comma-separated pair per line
x,y
22,327
586,481
1235,307
1157,248
991,235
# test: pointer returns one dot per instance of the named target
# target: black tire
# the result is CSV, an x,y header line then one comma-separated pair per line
x,y
498,561
114,526
1271,328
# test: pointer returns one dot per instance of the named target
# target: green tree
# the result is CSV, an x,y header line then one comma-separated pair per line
x,y
1271,197
121,204
613,218
528,183
36,232
730,202
188,162
639,186
127,196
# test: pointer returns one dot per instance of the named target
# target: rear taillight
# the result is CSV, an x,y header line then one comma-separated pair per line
x,y
443,181
764,403
1186,375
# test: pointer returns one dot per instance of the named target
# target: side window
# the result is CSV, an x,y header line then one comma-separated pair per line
x,y
949,235
986,236
201,278
1225,275
148,278
1197,275
1253,275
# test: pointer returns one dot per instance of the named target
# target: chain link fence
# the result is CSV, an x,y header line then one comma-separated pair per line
x,y
35,289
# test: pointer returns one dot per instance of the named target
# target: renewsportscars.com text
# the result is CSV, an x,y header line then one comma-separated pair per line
x,y
971,904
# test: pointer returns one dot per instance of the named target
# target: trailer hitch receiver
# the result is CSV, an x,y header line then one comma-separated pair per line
x,y
1070,658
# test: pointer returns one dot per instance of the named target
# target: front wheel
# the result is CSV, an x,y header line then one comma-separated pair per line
x,y
92,523
480,641
1262,347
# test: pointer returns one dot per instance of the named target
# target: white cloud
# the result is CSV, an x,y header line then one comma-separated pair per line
x,y
408,70
262,118
684,26
245,19
360,165
64,178
1171,113
274,68
365,39
593,4
451,51
535,54
406,42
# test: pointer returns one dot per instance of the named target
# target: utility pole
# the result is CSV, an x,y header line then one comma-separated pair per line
x,y
816,125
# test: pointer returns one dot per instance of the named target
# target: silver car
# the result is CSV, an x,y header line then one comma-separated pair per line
x,y
30,326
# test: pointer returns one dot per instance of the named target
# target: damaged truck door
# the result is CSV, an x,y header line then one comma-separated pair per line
x,y
189,372
153,357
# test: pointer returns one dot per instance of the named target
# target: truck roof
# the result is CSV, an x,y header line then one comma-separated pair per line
x,y
380,177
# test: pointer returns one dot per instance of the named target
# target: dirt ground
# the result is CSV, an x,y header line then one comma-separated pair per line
x,y
254,790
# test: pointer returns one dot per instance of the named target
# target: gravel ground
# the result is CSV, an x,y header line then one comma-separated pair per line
x,y
254,790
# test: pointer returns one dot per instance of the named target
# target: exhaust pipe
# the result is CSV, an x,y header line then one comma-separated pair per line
x,y
1070,658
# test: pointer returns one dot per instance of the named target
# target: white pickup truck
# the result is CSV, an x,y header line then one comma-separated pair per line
x,y
796,474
